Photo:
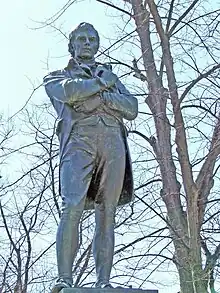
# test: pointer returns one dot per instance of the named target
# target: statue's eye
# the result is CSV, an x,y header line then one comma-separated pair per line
x,y
92,39
82,39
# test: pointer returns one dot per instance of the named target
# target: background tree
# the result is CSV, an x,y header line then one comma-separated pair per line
x,y
183,34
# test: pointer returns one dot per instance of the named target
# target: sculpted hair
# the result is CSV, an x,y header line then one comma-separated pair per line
x,y
83,26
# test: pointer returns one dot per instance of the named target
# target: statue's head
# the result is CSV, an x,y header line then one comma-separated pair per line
x,y
84,41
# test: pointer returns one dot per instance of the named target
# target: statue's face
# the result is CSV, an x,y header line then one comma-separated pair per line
x,y
85,44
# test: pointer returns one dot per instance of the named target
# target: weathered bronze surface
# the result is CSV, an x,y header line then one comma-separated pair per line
x,y
95,166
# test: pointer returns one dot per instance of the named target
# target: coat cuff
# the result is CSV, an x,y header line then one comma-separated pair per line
x,y
102,83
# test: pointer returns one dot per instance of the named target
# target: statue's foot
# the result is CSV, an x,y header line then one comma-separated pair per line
x,y
60,284
103,285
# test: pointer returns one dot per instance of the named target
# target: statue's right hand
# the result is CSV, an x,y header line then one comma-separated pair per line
x,y
88,105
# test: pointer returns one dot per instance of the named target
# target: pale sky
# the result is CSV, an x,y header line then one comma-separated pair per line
x,y
24,51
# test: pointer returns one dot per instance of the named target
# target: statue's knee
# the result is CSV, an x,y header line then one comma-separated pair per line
x,y
105,216
73,206
106,209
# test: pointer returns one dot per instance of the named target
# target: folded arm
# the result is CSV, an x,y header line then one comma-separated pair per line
x,y
122,101
68,90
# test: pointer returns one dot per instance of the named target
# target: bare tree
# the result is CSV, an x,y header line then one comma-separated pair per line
x,y
28,203
183,31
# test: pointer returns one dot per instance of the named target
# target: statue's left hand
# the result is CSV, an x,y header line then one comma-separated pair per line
x,y
109,77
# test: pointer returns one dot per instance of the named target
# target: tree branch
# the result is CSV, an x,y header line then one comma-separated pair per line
x,y
182,148
204,179
169,18
183,16
116,7
141,16
195,81
148,183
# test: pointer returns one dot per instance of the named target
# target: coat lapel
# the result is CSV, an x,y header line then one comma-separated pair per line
x,y
76,69
86,69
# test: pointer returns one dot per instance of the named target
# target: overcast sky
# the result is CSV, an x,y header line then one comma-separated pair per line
x,y
25,50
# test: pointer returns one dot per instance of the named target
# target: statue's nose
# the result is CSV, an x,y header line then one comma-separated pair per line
x,y
87,42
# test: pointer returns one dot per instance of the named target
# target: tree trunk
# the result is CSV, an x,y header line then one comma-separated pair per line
x,y
189,282
193,279
184,226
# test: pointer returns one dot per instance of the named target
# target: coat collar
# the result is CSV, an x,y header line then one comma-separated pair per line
x,y
76,67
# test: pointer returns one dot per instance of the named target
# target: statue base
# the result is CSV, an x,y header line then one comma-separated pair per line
x,y
106,290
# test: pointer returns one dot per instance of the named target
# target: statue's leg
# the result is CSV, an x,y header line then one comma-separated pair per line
x,y
112,168
75,176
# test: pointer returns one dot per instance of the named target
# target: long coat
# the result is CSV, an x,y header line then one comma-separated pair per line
x,y
75,94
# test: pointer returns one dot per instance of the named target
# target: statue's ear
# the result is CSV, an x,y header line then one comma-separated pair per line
x,y
71,49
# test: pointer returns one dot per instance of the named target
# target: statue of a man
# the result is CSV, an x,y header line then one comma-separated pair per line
x,y
95,167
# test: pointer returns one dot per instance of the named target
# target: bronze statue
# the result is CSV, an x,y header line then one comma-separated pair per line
x,y
95,166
